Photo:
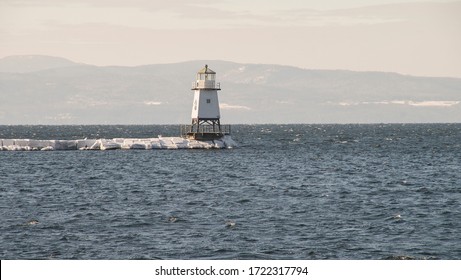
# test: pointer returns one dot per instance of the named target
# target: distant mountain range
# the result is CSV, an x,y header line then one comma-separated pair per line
x,y
51,90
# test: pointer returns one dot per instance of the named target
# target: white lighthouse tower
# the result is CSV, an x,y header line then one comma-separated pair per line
x,y
205,115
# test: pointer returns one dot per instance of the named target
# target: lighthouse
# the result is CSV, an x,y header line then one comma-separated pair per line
x,y
206,124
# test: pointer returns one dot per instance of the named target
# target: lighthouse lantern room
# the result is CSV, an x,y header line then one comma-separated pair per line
x,y
206,123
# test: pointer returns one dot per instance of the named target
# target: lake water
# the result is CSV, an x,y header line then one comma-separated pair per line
x,y
287,192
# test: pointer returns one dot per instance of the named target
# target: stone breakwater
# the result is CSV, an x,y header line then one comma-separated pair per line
x,y
115,144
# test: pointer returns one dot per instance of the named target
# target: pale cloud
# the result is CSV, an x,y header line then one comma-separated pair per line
x,y
317,18
415,38
180,14
176,14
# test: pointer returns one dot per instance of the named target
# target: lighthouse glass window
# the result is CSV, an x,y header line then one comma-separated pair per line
x,y
208,77
208,101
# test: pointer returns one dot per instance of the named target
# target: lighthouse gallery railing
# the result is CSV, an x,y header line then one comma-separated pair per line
x,y
206,84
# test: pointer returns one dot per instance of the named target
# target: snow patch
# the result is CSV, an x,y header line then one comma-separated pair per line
x,y
430,103
226,142
225,106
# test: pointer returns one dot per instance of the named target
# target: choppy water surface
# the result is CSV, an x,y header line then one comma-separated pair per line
x,y
288,192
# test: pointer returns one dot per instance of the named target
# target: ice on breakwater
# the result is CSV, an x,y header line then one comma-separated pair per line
x,y
114,144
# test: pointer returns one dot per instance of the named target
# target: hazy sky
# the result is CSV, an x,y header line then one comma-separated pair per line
x,y
415,37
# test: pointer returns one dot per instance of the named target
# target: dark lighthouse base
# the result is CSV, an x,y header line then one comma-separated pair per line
x,y
205,132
